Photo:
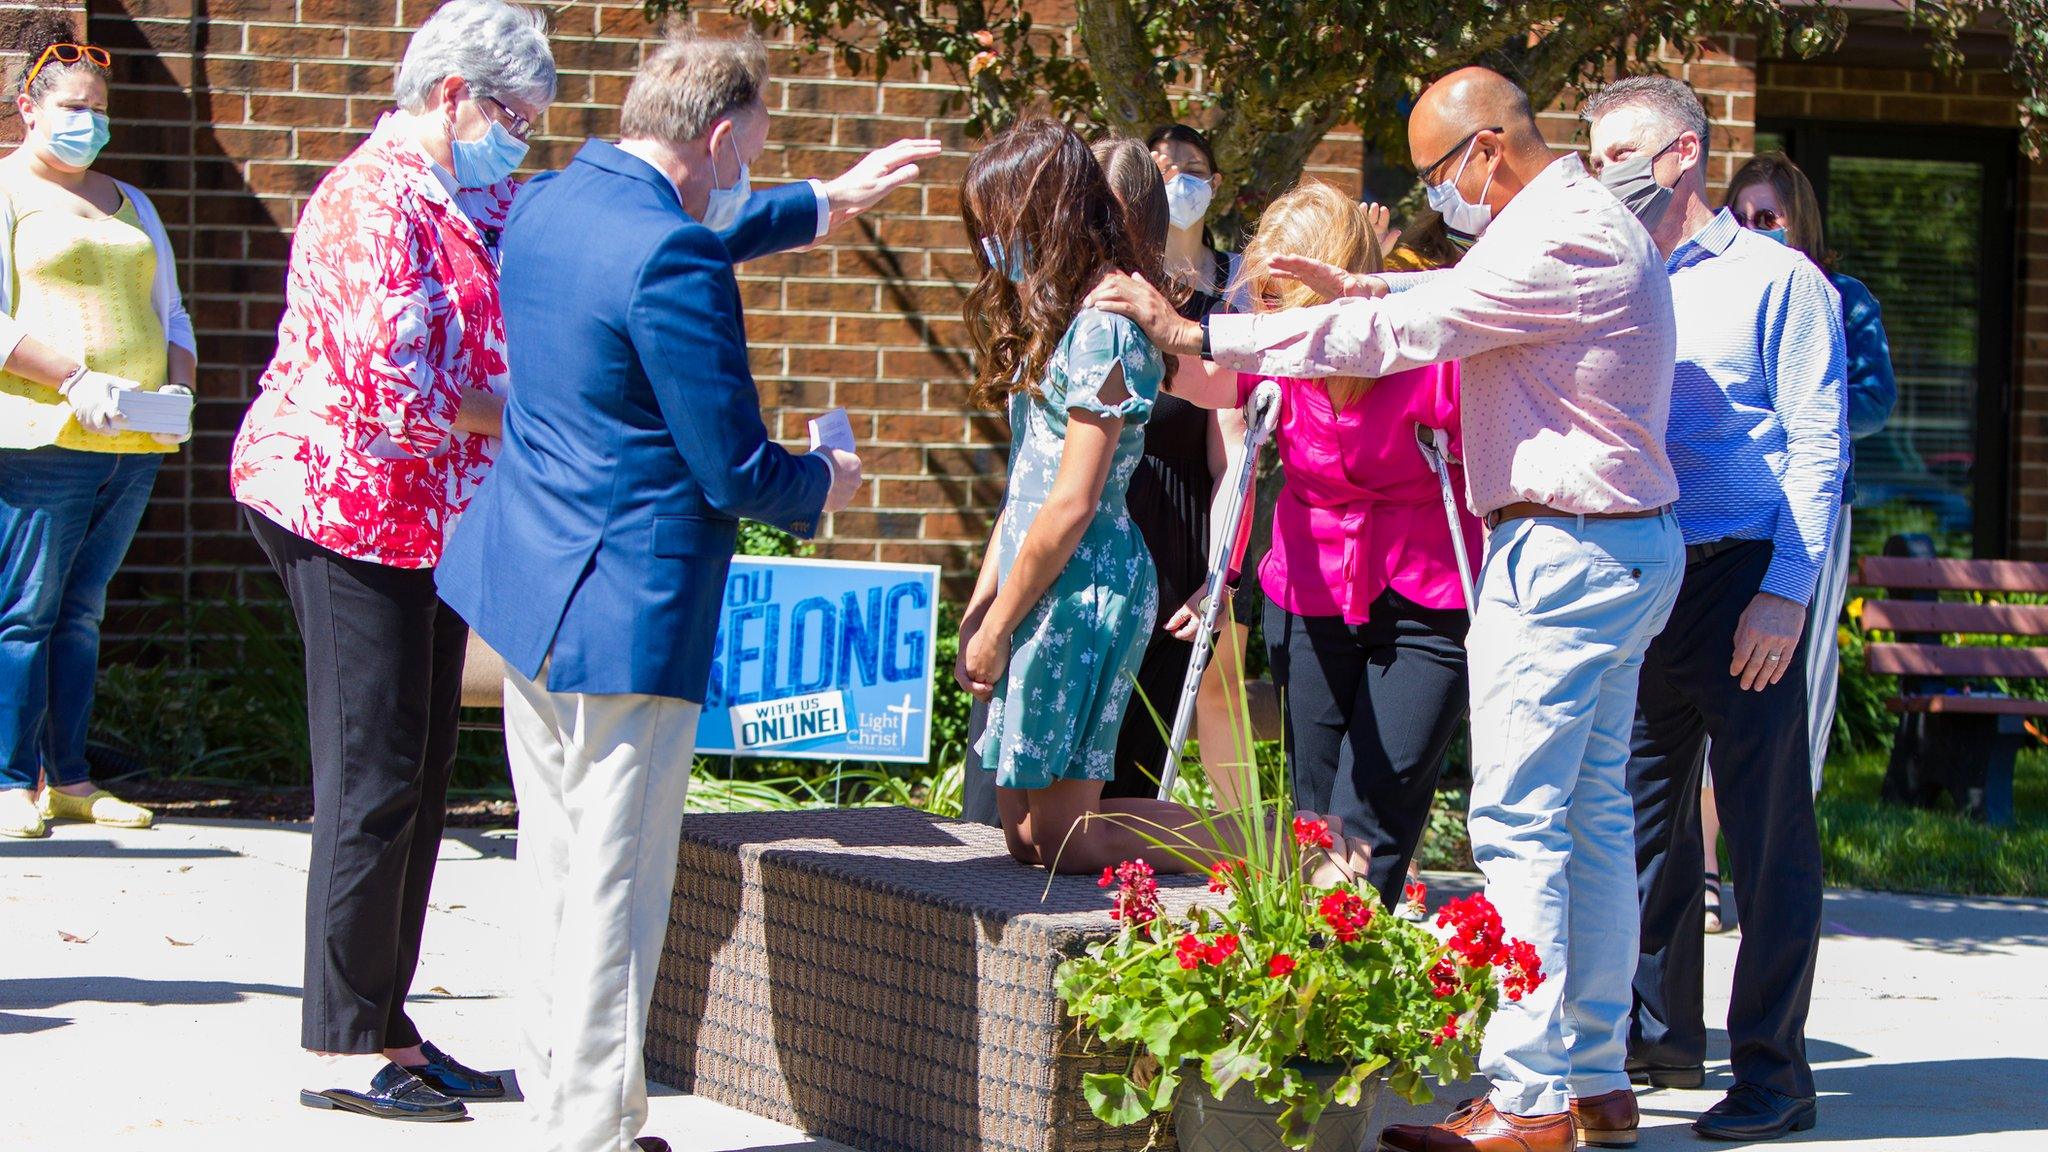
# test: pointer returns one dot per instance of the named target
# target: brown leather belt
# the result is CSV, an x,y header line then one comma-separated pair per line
x,y
1524,509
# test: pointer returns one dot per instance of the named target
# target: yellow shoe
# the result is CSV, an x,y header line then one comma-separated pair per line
x,y
102,808
18,815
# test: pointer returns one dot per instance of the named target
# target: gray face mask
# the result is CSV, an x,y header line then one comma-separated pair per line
x,y
1635,185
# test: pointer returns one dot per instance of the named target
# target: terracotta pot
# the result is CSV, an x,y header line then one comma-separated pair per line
x,y
1241,1122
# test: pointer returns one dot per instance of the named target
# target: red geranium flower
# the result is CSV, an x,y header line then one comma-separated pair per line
x,y
1414,892
1446,1033
1280,965
1346,914
1443,979
1188,952
1223,949
1137,895
1313,833
1523,972
1219,876
1476,933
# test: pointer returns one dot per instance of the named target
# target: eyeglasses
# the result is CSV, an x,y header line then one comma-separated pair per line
x,y
68,54
1456,150
519,126
1761,220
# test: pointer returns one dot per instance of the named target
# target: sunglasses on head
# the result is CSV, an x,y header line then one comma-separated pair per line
x,y
68,54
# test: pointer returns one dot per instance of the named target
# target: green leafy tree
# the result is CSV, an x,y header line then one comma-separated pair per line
x,y
1270,80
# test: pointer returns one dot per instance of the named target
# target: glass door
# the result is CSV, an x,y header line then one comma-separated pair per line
x,y
1924,217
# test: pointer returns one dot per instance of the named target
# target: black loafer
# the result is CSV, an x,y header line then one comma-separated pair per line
x,y
1667,1075
456,1080
1754,1112
394,1094
650,1144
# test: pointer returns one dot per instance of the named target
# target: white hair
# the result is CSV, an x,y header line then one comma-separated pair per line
x,y
1670,101
500,49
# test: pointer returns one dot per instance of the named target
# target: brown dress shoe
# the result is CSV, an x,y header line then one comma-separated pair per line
x,y
1478,1127
1608,1120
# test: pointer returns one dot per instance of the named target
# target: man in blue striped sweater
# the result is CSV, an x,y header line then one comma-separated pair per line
x,y
1758,440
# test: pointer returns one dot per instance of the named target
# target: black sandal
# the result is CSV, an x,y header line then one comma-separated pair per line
x,y
1714,921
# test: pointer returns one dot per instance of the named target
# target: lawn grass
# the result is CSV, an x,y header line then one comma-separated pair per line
x,y
1866,844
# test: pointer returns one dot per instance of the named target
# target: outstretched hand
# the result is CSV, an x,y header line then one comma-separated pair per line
x,y
1134,298
876,175
1327,280
1380,220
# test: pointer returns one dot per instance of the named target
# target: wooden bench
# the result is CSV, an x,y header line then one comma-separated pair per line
x,y
1955,734
883,978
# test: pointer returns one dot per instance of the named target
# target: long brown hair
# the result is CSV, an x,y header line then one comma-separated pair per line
x,y
1803,228
1038,194
1318,221
1135,182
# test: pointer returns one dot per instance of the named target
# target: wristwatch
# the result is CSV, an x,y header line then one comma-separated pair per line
x,y
1205,338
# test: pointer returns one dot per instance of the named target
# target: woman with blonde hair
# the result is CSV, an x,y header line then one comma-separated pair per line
x,y
1365,618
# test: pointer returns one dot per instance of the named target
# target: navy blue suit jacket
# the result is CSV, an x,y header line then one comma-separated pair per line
x,y
633,436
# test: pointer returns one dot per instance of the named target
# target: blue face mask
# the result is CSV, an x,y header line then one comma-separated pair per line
x,y
77,135
1012,267
723,209
484,162
1777,234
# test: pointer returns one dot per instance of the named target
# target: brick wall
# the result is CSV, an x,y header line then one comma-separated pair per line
x,y
229,112
1790,89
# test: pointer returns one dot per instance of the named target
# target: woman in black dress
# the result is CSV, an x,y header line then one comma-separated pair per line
x,y
1188,450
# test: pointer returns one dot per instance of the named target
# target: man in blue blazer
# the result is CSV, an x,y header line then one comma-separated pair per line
x,y
594,557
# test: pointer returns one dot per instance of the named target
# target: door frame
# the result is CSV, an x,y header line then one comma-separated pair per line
x,y
1812,143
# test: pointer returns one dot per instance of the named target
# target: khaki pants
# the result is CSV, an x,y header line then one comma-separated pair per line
x,y
601,781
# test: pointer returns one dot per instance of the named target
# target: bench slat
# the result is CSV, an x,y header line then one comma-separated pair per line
x,y
1933,616
1937,660
1955,575
1970,705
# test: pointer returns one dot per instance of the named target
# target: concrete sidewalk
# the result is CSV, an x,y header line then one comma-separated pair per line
x,y
149,1000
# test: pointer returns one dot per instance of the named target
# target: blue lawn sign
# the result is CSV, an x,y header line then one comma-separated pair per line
x,y
823,660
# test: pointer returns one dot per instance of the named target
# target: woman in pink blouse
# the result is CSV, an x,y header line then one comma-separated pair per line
x,y
377,419
1365,618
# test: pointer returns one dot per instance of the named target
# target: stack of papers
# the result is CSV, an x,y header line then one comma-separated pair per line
x,y
165,413
832,430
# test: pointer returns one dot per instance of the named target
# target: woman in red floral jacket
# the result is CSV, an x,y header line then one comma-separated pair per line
x,y
376,421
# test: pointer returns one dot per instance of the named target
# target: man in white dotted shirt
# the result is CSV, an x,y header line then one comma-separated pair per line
x,y
1561,318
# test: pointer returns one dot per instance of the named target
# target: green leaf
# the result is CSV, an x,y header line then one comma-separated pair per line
x,y
1164,1086
1233,1062
1115,1098
1351,1084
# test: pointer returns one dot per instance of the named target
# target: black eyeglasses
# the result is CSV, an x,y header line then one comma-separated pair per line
x,y
1456,150
519,126
1761,220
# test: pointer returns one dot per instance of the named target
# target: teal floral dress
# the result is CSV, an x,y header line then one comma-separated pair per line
x,y
1058,708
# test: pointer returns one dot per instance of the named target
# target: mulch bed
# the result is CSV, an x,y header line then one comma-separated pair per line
x,y
187,799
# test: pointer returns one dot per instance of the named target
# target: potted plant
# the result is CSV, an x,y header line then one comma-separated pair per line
x,y
1275,1013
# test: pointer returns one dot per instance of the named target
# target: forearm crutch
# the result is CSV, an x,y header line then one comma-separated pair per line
x,y
1436,448
1261,415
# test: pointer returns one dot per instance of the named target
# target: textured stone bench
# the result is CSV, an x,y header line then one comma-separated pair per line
x,y
882,978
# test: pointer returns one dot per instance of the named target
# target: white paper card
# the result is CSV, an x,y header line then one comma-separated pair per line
x,y
168,413
832,430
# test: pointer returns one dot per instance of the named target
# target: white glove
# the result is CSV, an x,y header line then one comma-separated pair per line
x,y
91,397
173,439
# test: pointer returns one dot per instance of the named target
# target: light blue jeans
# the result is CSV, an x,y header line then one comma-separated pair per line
x,y
1567,607
66,519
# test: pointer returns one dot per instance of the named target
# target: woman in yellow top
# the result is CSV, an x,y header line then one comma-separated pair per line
x,y
89,309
